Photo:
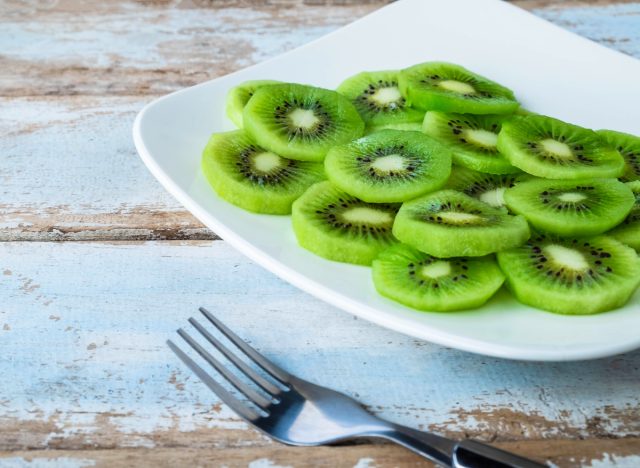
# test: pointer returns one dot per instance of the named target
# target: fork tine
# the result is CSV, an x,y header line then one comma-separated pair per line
x,y
263,362
226,397
251,394
260,381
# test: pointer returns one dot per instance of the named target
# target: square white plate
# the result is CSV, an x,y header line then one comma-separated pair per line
x,y
551,71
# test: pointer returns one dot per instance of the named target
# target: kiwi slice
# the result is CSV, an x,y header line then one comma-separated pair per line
x,y
451,224
407,127
553,149
300,122
523,111
471,138
378,99
389,166
628,146
423,282
335,225
451,88
571,276
488,188
254,178
238,96
629,231
580,208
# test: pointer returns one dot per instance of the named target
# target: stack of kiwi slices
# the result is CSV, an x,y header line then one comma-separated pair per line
x,y
435,178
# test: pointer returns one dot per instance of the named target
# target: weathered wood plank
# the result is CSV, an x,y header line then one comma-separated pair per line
x,y
615,25
563,453
82,326
141,48
85,366
112,196
152,47
69,171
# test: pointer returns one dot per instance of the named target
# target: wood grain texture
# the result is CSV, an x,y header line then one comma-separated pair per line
x,y
100,53
69,171
85,368
125,48
558,452
86,377
67,124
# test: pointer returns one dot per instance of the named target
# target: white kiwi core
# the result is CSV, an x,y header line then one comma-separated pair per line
x,y
572,197
482,137
557,148
389,163
457,86
365,215
569,258
459,218
303,118
265,162
494,197
436,269
386,96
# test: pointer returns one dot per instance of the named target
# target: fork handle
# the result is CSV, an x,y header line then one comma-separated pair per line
x,y
473,454
449,453
436,448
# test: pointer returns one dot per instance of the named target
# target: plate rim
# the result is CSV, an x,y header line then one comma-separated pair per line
x,y
330,296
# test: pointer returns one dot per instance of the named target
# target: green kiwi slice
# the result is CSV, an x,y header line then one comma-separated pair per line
x,y
628,146
423,282
488,188
300,122
377,97
254,178
580,208
238,96
629,231
553,149
407,127
472,139
571,276
451,224
523,111
389,166
451,88
335,225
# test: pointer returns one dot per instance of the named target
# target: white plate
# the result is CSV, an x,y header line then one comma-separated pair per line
x,y
551,71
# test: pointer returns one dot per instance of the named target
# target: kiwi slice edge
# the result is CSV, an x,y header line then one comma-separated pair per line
x,y
418,280
340,227
257,180
571,276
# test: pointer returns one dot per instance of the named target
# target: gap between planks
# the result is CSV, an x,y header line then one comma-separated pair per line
x,y
140,225
565,453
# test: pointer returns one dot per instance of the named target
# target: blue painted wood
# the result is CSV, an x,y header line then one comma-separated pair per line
x,y
616,26
83,329
82,325
54,143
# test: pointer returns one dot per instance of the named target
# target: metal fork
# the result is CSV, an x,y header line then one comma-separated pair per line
x,y
296,412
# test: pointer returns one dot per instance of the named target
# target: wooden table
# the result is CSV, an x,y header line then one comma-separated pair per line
x,y
99,266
